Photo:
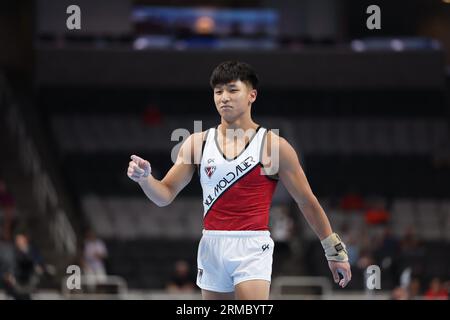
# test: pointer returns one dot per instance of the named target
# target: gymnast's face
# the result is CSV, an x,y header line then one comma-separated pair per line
x,y
234,99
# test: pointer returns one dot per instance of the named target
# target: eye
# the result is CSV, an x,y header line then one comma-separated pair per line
x,y
218,92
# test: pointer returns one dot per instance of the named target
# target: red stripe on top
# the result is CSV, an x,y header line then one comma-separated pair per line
x,y
244,206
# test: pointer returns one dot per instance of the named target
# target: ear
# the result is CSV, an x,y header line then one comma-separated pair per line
x,y
252,95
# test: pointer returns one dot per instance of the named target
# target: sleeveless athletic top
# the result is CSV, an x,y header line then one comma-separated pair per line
x,y
236,194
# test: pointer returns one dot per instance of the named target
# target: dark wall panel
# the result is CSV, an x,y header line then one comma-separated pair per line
x,y
277,69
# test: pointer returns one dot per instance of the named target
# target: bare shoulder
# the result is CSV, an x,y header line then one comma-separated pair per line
x,y
194,139
271,151
275,143
278,151
198,136
193,146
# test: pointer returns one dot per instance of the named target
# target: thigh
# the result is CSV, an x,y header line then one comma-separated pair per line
x,y
252,290
212,275
212,295
253,261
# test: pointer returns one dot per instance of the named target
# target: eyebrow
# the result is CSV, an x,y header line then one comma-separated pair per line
x,y
220,87
230,86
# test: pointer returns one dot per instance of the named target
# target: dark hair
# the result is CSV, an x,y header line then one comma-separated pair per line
x,y
232,71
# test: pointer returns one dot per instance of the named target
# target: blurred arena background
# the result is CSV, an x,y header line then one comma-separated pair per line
x,y
367,110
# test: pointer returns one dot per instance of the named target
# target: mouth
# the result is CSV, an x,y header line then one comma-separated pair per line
x,y
226,107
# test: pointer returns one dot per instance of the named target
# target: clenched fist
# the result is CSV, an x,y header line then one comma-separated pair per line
x,y
138,168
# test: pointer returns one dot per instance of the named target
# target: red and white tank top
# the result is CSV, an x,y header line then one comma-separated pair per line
x,y
236,193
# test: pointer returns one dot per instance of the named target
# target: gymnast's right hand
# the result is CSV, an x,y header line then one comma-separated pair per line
x,y
138,169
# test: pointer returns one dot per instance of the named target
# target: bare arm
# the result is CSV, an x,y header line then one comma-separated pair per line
x,y
293,177
163,192
295,181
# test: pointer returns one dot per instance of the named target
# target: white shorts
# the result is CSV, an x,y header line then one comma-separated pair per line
x,y
226,258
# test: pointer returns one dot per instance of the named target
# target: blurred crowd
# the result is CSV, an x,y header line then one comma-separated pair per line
x,y
404,261
21,265
407,271
410,267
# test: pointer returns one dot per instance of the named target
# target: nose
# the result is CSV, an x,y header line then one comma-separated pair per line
x,y
225,97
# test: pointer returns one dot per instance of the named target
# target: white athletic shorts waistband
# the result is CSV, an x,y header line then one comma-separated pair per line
x,y
235,233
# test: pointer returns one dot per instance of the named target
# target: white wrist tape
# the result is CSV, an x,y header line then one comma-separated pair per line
x,y
335,249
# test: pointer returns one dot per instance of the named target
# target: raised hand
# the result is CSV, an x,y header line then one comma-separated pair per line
x,y
138,169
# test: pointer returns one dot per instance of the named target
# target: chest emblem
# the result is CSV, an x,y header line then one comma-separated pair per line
x,y
210,168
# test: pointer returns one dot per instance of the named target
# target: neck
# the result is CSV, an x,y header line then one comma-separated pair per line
x,y
240,123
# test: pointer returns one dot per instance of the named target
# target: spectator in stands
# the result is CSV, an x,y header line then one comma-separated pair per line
x,y
412,253
182,280
365,259
22,276
282,229
436,290
399,293
410,241
414,289
352,201
389,244
282,225
386,255
353,246
94,255
376,213
409,286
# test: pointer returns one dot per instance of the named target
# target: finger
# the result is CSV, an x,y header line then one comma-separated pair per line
x,y
136,159
347,277
343,283
135,176
134,166
138,170
335,275
144,164
345,280
134,170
